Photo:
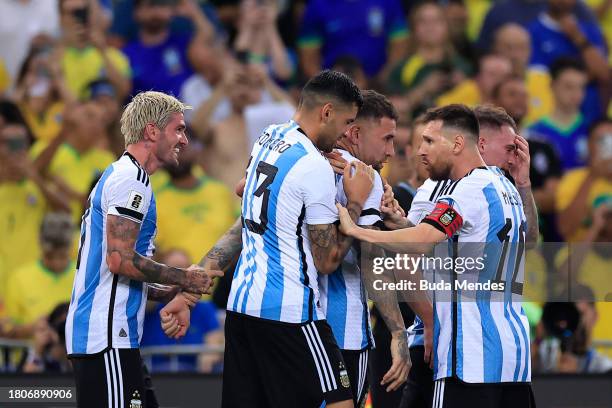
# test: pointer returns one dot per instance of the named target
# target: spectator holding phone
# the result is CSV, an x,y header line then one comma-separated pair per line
x,y
85,54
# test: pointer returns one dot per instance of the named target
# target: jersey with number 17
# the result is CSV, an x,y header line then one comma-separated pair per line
x,y
289,185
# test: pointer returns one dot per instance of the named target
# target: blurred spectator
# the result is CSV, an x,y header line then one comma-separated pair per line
x,y
209,60
124,28
373,31
24,199
42,93
521,12
103,94
85,54
156,42
433,68
259,41
492,69
565,343
36,288
74,159
581,188
511,94
192,212
352,67
22,22
227,144
402,171
565,128
603,12
560,32
48,352
458,17
512,41
5,79
203,321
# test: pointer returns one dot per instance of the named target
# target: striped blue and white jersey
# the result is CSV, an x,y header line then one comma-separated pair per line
x,y
422,204
343,295
289,185
107,310
483,338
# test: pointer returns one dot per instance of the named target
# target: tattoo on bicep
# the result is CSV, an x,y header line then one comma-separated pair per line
x,y
323,239
121,237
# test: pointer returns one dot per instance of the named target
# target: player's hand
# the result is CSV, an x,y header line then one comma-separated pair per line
x,y
196,280
520,167
393,219
239,189
400,362
175,317
337,162
347,226
358,180
388,201
191,299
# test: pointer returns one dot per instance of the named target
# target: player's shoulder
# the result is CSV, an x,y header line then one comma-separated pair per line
x,y
127,170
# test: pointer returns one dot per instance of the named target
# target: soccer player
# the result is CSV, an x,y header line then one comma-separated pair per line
x,y
115,275
344,293
480,205
279,349
500,146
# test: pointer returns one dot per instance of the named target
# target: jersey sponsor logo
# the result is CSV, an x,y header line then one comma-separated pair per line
x,y
135,201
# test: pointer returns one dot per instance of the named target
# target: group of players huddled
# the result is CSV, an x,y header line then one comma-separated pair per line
x,y
298,329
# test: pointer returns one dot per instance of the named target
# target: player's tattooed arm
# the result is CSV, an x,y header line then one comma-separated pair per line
x,y
226,251
161,293
531,213
123,260
328,244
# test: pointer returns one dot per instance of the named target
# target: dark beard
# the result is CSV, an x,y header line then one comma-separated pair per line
x,y
441,173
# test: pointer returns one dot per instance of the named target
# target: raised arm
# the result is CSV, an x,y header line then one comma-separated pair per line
x,y
520,173
226,251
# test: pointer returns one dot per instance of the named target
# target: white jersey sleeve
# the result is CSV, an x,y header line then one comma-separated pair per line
x,y
128,197
318,192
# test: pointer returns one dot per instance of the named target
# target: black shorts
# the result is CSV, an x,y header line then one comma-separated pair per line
x,y
356,362
418,391
275,364
114,378
453,393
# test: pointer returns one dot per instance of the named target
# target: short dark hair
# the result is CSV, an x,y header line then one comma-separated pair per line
x,y
376,106
563,64
493,117
457,116
332,85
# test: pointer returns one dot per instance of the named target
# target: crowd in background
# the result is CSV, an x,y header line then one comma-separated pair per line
x,y
68,66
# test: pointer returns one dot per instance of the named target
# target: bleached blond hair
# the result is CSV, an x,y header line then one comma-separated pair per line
x,y
145,108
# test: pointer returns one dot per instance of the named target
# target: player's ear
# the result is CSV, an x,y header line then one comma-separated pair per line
x,y
352,133
459,143
481,144
151,132
327,112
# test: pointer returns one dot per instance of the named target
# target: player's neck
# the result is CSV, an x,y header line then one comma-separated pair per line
x,y
144,157
307,124
466,163
344,144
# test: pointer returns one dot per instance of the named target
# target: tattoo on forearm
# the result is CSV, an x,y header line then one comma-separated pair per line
x,y
386,300
531,212
155,272
225,251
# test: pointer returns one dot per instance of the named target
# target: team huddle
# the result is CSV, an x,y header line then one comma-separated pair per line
x,y
298,330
